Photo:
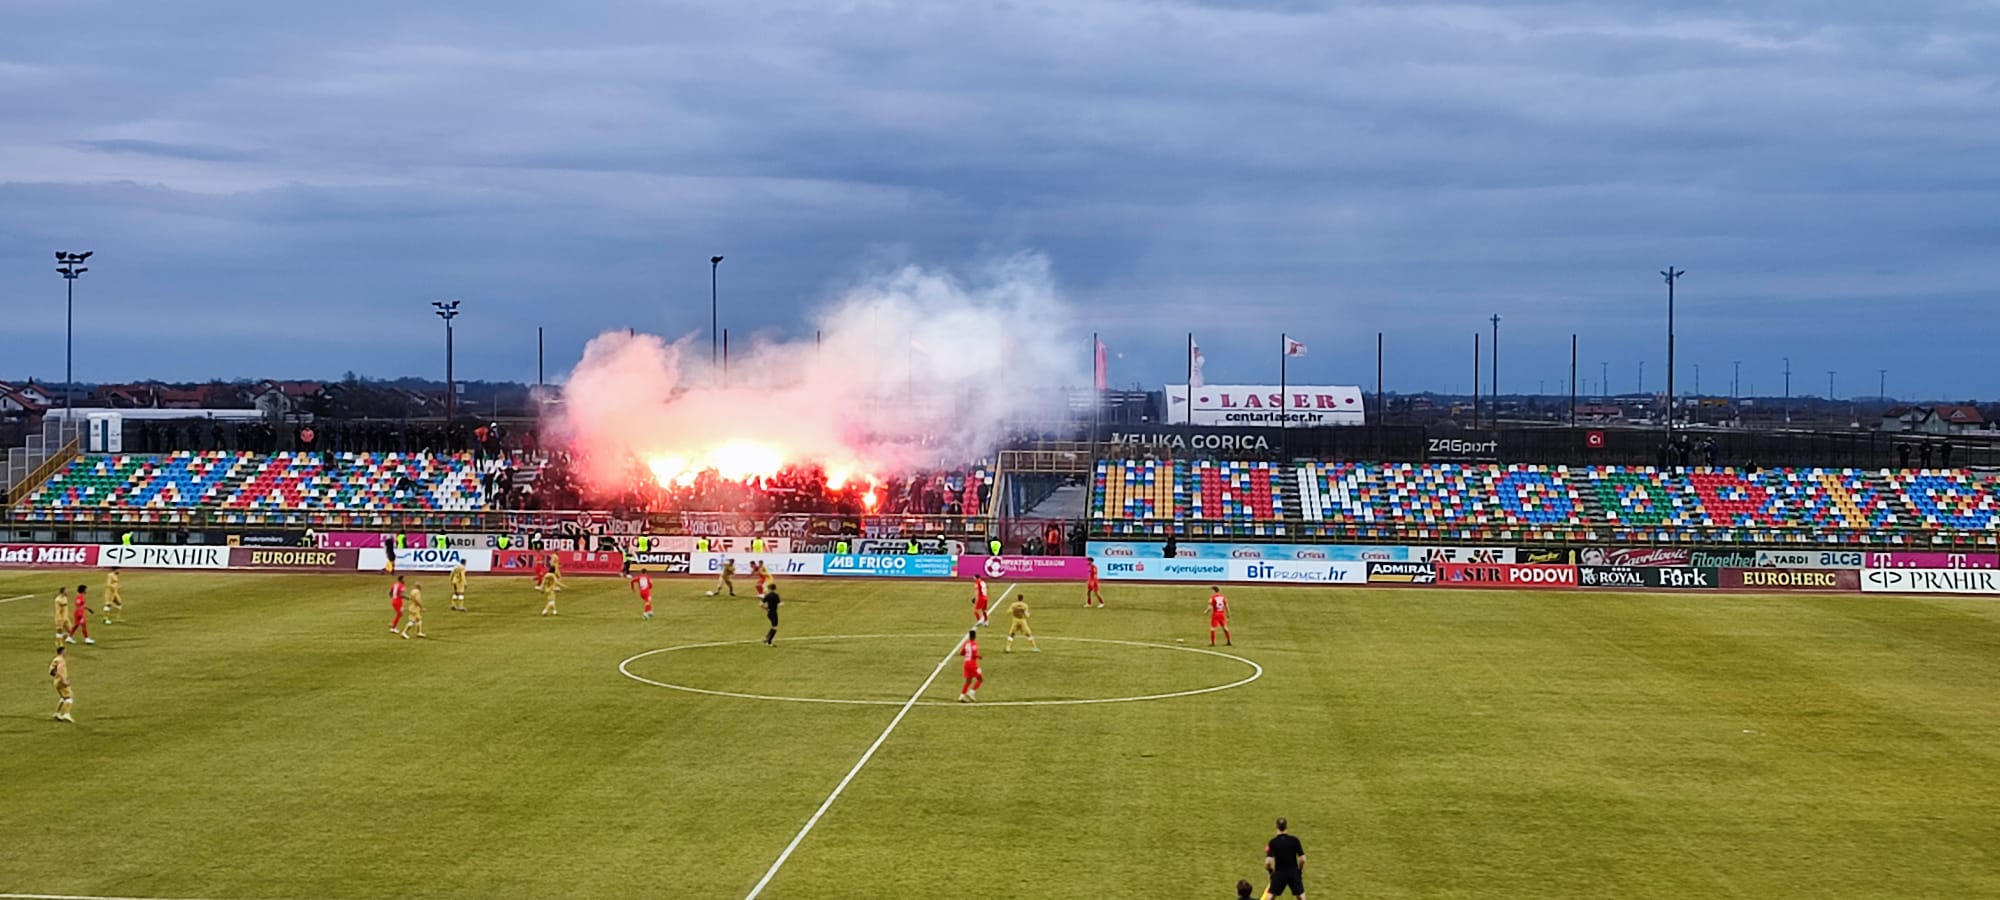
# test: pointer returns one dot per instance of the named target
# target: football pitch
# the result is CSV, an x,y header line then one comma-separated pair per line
x,y
243,737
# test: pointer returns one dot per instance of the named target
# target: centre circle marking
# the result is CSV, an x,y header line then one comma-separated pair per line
x,y
1256,672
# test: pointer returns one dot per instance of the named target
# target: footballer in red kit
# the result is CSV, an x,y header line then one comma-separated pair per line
x,y
396,603
979,602
1218,616
973,677
1090,588
643,584
80,618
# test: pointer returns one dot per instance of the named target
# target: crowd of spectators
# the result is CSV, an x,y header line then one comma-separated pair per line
x,y
485,439
793,489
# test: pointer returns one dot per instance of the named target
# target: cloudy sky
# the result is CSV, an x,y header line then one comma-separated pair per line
x,y
279,189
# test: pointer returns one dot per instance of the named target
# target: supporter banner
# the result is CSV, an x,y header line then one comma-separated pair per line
x,y
775,563
1667,556
1649,577
895,526
1931,581
1463,554
351,540
1163,569
1769,579
1927,559
48,556
787,525
1505,575
156,557
1025,568
573,562
1810,559
1401,573
1107,550
889,565
294,558
671,562
1302,405
1197,441
427,560
925,546
268,539
1297,572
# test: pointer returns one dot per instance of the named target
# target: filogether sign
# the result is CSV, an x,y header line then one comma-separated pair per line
x,y
1307,406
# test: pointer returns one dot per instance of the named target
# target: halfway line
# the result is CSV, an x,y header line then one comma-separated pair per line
x,y
10,600
68,896
828,804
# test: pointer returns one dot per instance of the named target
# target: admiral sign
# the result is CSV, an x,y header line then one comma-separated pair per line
x,y
48,556
1307,406
143,557
667,561
1931,581
1401,573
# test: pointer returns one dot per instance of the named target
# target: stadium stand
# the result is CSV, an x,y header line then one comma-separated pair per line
x,y
246,487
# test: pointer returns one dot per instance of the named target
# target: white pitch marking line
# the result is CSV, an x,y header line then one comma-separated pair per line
x,y
865,757
10,600
75,897
1256,672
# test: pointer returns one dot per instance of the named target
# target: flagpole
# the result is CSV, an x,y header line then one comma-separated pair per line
x,y
1284,345
1190,384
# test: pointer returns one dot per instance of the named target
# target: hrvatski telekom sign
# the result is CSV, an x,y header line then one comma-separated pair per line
x,y
1302,405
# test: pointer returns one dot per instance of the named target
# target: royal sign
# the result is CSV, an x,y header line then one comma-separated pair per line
x,y
1931,581
1307,406
113,556
48,556
1504,575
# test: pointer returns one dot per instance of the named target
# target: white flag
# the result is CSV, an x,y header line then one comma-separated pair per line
x,y
1195,360
1294,348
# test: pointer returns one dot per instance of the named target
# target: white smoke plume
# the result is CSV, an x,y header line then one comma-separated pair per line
x,y
913,369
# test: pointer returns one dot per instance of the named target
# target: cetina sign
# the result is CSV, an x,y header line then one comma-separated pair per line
x,y
1265,404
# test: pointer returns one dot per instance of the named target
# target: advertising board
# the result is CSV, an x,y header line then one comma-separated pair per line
x,y
1928,559
351,540
155,557
1774,579
1503,575
1667,556
1123,569
888,565
1650,577
296,558
1183,441
1110,550
48,556
1930,581
267,538
775,563
670,562
1402,573
429,559
1296,572
572,562
1025,568
1302,405
1811,559
1464,554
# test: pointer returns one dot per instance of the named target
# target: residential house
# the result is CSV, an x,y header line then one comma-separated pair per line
x,y
1942,420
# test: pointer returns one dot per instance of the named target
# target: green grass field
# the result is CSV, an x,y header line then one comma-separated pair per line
x,y
264,736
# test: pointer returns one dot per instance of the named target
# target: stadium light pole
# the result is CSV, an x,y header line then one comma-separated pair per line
x,y
714,264
1604,378
1882,385
448,310
1672,275
1829,384
1788,389
71,266
1493,420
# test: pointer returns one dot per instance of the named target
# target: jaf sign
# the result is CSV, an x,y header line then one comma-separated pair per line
x,y
1265,404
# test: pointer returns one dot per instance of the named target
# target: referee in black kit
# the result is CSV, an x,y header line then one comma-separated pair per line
x,y
1286,861
770,599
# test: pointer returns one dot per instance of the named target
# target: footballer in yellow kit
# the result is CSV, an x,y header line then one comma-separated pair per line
x,y
59,673
416,619
62,616
550,585
114,602
458,587
1017,623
